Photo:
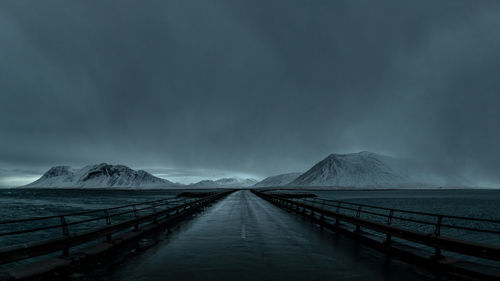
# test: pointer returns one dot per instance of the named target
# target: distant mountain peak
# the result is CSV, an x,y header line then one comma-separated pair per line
x,y
362,169
99,175
226,182
278,180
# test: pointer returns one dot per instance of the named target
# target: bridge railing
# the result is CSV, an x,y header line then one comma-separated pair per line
x,y
66,221
433,223
61,232
421,228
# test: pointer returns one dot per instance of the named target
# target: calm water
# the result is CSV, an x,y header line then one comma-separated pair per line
x,y
246,219
29,203
469,203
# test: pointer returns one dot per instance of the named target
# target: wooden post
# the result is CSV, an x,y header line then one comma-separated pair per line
x,y
108,222
65,231
388,240
437,233
136,225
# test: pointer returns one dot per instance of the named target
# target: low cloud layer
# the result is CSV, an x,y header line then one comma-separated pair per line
x,y
253,87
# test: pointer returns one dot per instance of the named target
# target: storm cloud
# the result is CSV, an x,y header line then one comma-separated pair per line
x,y
255,87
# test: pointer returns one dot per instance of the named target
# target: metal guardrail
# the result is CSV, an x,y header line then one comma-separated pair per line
x,y
106,215
138,214
392,214
332,213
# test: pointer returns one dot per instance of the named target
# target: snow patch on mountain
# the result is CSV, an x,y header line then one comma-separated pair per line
x,y
278,180
367,169
101,175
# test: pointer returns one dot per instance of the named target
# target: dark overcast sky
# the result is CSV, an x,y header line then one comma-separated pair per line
x,y
259,87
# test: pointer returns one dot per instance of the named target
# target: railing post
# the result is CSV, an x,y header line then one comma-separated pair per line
x,y
65,232
136,225
312,208
358,213
155,218
64,226
108,222
437,233
337,211
108,218
166,208
388,238
322,217
389,218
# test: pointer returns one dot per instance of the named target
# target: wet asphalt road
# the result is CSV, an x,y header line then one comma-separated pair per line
x,y
243,237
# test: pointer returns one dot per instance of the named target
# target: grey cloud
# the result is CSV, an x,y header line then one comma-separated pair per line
x,y
260,87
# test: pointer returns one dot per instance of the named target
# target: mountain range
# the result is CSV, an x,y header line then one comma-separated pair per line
x,y
101,175
105,175
363,169
367,170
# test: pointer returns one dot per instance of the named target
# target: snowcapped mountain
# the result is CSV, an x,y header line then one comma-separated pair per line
x,y
225,182
279,180
366,169
101,175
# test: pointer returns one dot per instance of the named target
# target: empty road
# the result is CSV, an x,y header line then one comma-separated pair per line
x,y
243,237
